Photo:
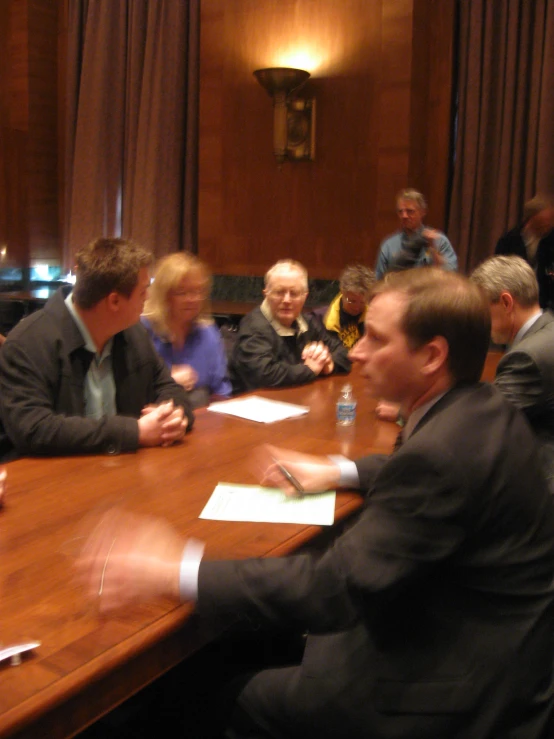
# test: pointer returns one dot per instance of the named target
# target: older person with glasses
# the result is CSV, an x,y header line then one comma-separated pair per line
x,y
185,336
346,315
277,345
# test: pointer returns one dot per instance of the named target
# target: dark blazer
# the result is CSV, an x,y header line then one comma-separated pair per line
x,y
262,358
432,615
43,364
525,375
512,243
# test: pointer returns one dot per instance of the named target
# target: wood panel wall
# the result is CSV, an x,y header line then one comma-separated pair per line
x,y
28,143
381,74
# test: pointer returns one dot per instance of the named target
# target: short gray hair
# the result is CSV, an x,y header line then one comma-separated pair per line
x,y
356,279
290,264
509,274
411,194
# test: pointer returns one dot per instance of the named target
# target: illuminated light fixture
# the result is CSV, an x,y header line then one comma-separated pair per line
x,y
293,117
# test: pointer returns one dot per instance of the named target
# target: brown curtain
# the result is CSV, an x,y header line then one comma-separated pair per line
x,y
132,123
505,126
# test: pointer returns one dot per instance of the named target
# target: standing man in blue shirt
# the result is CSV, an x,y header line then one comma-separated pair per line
x,y
415,245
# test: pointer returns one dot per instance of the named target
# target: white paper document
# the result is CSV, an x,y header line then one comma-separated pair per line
x,y
262,410
230,502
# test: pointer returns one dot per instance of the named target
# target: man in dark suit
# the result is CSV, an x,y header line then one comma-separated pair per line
x,y
533,240
431,616
525,374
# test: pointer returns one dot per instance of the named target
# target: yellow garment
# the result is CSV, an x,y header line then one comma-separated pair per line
x,y
351,332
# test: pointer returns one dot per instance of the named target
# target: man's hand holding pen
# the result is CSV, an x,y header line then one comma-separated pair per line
x,y
290,471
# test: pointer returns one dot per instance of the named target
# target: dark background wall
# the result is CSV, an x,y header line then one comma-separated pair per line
x,y
382,78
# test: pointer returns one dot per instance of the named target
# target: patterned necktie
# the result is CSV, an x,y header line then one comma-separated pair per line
x,y
399,440
400,421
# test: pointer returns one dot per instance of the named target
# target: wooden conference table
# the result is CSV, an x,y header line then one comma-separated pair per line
x,y
88,663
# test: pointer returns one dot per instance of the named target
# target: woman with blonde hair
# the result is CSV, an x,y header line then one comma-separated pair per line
x,y
182,331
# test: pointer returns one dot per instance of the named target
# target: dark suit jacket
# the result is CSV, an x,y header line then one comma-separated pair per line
x,y
512,243
262,358
525,375
430,617
43,364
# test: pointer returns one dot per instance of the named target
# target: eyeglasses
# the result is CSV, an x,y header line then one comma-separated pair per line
x,y
293,294
359,300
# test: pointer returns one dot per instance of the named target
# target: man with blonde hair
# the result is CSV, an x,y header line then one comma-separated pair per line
x,y
525,374
277,345
414,245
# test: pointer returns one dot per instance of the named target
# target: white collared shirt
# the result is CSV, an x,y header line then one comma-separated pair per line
x,y
526,326
278,327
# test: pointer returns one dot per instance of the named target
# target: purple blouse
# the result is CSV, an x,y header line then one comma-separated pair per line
x,y
203,351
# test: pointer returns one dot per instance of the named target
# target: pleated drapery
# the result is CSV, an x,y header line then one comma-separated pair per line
x,y
504,140
132,123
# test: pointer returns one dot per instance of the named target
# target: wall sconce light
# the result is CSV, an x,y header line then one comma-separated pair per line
x,y
293,117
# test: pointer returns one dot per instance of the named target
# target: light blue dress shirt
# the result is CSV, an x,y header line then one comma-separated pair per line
x,y
391,247
99,389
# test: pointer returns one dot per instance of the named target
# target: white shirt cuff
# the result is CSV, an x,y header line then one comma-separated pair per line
x,y
349,477
188,573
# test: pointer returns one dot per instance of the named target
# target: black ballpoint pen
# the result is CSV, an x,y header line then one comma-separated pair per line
x,y
290,477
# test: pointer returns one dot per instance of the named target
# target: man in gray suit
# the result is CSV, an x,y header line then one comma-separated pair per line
x,y
525,374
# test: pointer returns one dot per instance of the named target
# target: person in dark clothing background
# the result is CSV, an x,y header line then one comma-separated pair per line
x,y
533,240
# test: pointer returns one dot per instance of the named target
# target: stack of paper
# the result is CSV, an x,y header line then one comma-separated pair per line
x,y
262,410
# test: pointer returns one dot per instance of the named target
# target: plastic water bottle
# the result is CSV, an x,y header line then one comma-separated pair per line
x,y
346,406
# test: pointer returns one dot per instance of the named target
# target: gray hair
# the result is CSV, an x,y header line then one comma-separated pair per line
x,y
411,194
509,274
357,279
288,264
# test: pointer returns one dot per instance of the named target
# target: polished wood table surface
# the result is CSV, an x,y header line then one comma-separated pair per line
x,y
88,663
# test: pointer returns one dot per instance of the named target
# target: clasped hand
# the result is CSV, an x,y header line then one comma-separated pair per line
x,y
161,425
317,357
